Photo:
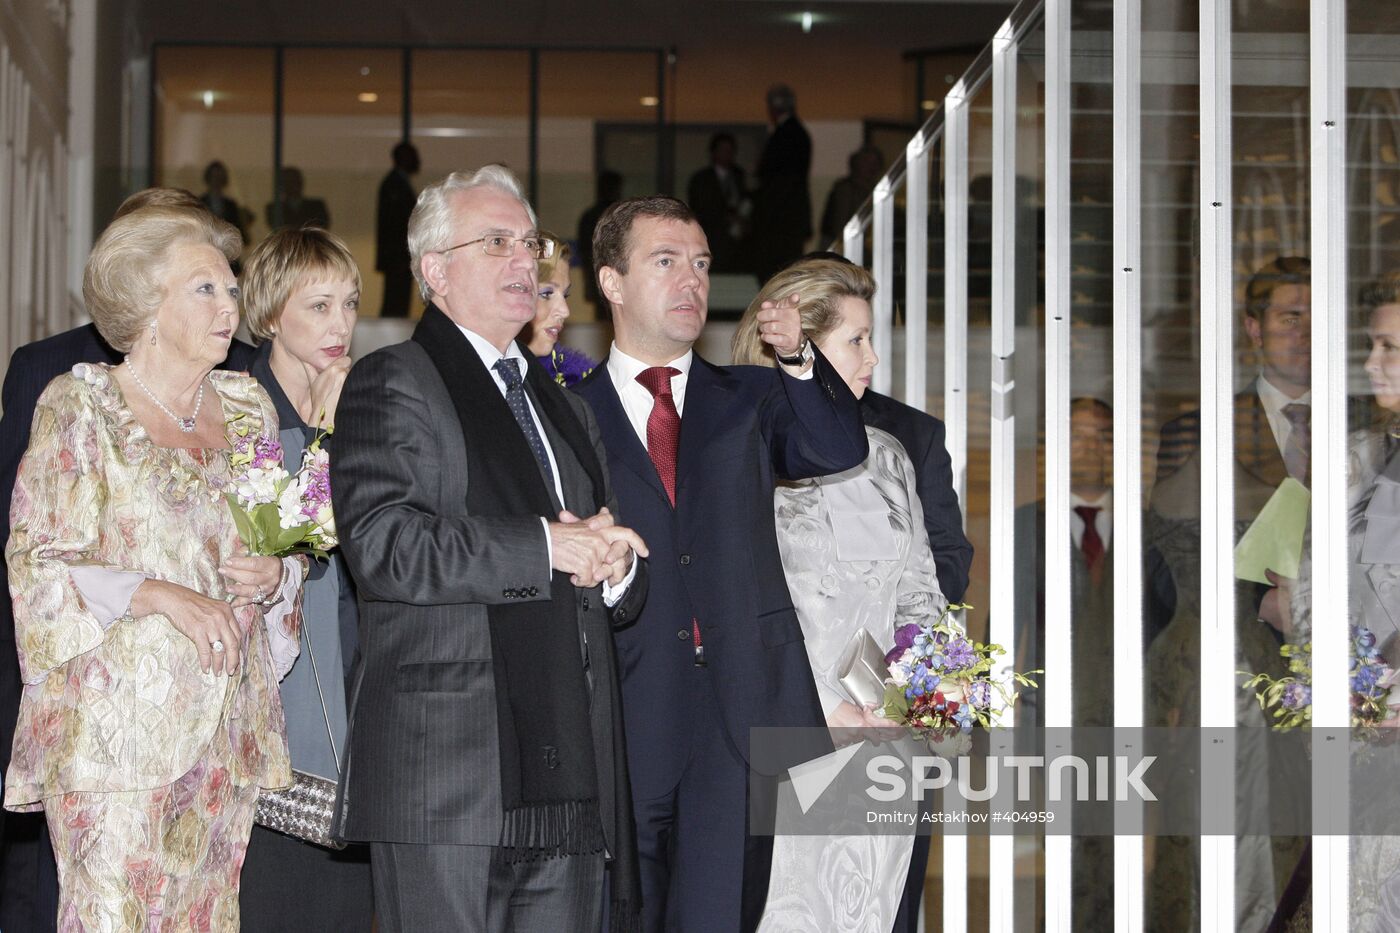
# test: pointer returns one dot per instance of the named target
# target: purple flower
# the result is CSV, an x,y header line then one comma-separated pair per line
x,y
960,654
904,636
1297,696
979,694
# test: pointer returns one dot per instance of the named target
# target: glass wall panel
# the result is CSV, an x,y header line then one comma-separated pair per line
x,y
342,117
1372,146
216,105
470,108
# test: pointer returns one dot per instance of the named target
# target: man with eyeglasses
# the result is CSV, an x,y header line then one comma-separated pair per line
x,y
485,761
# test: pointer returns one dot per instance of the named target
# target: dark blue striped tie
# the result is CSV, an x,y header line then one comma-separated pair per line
x,y
520,408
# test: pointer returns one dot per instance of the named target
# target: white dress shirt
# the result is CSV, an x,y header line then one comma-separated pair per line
x,y
1274,401
636,400
1103,521
489,357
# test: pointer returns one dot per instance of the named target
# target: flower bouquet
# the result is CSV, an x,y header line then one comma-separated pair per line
x,y
940,682
1290,698
278,513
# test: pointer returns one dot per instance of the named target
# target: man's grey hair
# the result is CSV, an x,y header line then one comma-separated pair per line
x,y
430,224
782,99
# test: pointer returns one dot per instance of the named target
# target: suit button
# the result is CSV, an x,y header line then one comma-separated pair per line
x,y
685,560
508,594
683,634
585,604
533,591
620,615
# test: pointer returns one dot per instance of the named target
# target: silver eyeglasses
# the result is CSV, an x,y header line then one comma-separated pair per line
x,y
498,244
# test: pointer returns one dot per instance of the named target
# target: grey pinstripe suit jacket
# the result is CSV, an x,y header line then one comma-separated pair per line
x,y
422,756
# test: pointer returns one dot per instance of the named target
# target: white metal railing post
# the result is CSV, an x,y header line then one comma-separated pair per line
x,y
882,225
853,241
1001,602
1057,687
955,405
1127,426
915,273
1330,614
1218,681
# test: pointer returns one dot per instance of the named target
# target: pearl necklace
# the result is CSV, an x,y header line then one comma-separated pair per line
x,y
186,425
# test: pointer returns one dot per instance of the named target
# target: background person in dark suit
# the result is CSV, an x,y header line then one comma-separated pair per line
x,y
396,200
717,194
695,451
28,875
782,213
297,210
485,761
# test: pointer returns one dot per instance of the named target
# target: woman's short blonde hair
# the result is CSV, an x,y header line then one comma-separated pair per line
x,y
284,262
822,283
561,254
122,280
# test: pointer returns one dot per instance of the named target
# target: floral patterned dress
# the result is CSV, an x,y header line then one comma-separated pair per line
x,y
148,768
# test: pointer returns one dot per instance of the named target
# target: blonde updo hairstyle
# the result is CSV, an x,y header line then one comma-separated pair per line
x,y
122,280
822,283
284,262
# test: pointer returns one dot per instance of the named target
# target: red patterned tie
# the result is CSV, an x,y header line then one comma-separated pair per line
x,y
663,425
1091,544
663,439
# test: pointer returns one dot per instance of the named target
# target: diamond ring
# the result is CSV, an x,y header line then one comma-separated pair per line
x,y
217,645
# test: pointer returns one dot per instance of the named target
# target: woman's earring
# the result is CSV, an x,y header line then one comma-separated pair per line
x,y
153,333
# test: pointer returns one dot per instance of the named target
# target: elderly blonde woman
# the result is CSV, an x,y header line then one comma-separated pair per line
x,y
149,641
856,555
301,298
565,365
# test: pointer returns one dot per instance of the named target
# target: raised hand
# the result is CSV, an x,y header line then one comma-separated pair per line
x,y
325,392
780,325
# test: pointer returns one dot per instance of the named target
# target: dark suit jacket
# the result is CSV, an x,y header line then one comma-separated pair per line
x,y
714,557
923,437
32,367
422,760
783,206
705,195
396,200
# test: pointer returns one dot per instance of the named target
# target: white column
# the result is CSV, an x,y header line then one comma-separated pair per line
x,y
1057,688
955,405
1127,426
1330,690
82,117
1002,609
883,228
915,272
1219,683
853,241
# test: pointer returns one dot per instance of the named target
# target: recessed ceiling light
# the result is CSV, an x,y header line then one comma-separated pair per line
x,y
929,104
649,101
364,71
368,97
208,98
807,21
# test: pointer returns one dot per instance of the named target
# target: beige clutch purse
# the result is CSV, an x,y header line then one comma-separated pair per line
x,y
861,670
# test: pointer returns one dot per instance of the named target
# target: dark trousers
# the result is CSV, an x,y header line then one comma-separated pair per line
x,y
398,291
907,920
290,886
473,889
28,875
701,870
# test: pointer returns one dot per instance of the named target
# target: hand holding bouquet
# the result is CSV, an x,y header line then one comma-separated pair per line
x,y
940,681
278,513
1290,698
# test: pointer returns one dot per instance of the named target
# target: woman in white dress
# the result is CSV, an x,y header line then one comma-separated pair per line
x,y
856,555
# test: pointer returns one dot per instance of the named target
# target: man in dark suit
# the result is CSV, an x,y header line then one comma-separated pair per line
x,y
485,761
695,450
716,194
1272,428
396,200
923,437
28,876
782,214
